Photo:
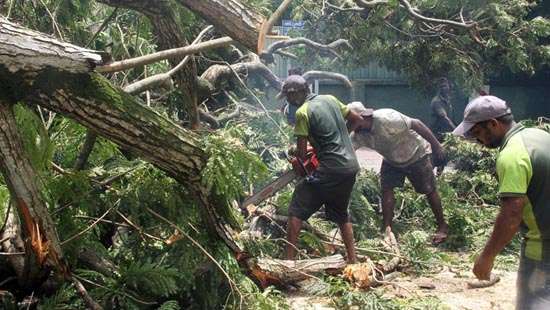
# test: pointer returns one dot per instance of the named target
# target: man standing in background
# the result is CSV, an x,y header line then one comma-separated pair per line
x,y
441,109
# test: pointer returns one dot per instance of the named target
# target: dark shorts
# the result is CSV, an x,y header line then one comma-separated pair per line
x,y
330,189
533,284
419,173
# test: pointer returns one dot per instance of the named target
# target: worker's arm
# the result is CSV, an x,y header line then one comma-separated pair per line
x,y
441,113
506,226
427,134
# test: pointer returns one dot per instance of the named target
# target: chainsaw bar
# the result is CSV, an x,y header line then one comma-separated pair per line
x,y
270,189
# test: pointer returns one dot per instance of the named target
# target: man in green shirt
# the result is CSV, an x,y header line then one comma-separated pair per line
x,y
523,170
321,121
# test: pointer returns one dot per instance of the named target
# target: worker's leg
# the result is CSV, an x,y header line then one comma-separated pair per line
x,y
435,203
305,201
423,180
388,205
346,229
292,230
390,178
336,194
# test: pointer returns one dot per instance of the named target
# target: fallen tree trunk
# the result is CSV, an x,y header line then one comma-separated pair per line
x,y
91,100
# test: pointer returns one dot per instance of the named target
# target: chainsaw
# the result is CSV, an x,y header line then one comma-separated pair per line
x,y
299,170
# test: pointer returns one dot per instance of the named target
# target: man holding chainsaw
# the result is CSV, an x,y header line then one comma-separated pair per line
x,y
321,120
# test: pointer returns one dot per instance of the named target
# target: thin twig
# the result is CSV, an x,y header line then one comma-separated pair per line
x,y
139,229
103,25
92,225
11,253
8,279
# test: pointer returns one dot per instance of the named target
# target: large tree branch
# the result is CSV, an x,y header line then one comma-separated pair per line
x,y
316,75
41,242
18,51
413,12
169,34
266,26
217,73
163,78
267,56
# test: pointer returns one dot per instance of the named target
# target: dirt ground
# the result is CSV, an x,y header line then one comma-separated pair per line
x,y
448,286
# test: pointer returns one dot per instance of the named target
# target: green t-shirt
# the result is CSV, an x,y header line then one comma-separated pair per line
x,y
523,169
321,120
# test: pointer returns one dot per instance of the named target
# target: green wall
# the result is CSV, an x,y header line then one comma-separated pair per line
x,y
525,101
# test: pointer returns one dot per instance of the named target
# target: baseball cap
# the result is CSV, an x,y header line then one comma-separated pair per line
x,y
481,109
291,84
360,109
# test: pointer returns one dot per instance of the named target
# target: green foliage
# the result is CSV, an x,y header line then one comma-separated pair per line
x,y
36,141
150,279
170,305
230,165
511,36
415,246
469,157
65,298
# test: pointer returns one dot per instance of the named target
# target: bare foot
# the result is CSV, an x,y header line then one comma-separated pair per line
x,y
440,235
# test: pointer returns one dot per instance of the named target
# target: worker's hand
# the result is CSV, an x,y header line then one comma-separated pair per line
x,y
483,266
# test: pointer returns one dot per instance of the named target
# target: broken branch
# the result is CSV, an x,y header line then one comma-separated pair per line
x,y
163,55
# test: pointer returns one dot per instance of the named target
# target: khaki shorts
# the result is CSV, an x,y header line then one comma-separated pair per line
x,y
419,173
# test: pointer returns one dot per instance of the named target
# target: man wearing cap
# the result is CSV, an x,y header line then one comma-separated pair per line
x,y
406,145
320,119
523,170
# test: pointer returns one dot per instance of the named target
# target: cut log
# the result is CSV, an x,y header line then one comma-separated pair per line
x,y
283,272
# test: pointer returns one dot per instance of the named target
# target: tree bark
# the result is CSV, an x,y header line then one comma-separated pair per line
x,y
276,271
231,17
41,242
13,243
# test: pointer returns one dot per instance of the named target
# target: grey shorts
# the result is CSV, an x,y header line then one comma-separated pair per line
x,y
330,189
419,173
533,284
